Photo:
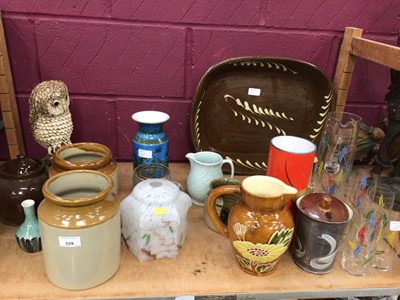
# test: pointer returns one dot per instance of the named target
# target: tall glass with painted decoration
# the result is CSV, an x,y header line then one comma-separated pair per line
x,y
150,144
335,154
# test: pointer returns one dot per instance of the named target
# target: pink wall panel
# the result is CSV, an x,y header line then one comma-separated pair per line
x,y
225,12
122,56
96,8
20,36
118,59
334,15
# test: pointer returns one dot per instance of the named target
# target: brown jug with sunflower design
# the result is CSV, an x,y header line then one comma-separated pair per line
x,y
260,227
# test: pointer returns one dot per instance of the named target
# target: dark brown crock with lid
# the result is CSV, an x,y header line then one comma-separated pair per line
x,y
20,179
320,225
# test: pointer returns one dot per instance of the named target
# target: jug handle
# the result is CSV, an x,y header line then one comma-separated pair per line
x,y
212,211
229,161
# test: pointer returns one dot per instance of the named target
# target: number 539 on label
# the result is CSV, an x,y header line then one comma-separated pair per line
x,y
69,241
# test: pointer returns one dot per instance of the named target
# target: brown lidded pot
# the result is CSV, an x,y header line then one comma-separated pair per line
x,y
85,156
321,224
20,179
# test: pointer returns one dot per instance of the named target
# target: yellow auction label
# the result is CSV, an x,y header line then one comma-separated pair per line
x,y
160,211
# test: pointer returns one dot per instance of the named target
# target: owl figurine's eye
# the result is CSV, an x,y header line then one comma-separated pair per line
x,y
56,103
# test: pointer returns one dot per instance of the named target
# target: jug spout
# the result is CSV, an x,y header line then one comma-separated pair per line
x,y
289,194
190,156
285,192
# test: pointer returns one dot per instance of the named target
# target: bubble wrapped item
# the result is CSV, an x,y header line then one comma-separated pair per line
x,y
154,219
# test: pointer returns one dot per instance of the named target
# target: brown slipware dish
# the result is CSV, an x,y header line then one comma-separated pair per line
x,y
241,103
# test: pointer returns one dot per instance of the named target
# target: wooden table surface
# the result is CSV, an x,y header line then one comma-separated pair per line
x,y
205,266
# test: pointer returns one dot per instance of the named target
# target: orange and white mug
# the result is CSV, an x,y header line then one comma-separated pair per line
x,y
291,160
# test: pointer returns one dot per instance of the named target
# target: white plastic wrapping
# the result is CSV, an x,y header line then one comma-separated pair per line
x,y
154,219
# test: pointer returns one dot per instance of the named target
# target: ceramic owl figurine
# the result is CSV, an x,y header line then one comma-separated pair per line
x,y
49,115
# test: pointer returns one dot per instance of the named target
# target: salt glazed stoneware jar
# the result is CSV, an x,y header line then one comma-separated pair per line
x,y
80,226
20,179
85,156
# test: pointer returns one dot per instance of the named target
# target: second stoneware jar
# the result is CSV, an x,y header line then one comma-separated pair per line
x,y
20,179
80,226
85,156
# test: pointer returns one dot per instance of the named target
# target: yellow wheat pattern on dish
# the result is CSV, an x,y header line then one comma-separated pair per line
x,y
262,166
268,112
256,112
270,65
321,121
197,124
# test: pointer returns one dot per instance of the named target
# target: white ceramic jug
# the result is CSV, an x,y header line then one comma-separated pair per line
x,y
205,166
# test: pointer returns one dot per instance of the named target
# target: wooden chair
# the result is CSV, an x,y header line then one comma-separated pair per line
x,y
353,46
8,104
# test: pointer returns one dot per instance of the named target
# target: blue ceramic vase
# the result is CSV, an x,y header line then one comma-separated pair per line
x,y
150,144
28,233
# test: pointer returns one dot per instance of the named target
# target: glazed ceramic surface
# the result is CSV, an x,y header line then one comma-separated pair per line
x,y
241,103
20,179
291,160
85,156
260,227
150,144
154,219
28,233
320,228
205,166
81,229
223,204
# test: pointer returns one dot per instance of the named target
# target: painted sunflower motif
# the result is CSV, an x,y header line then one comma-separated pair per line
x,y
262,253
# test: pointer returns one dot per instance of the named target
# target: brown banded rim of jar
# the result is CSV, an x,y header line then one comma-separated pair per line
x,y
71,157
77,188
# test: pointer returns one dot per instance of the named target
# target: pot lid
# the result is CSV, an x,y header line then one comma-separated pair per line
x,y
323,207
22,166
